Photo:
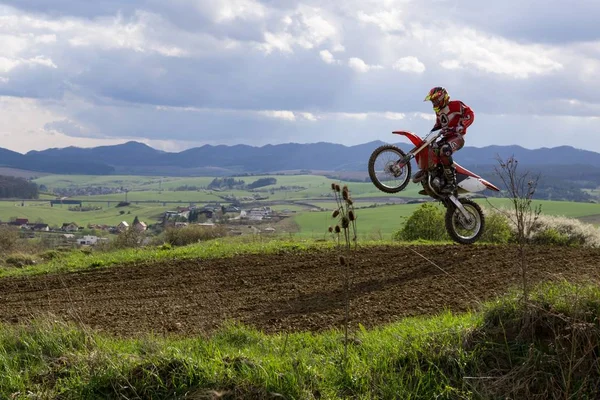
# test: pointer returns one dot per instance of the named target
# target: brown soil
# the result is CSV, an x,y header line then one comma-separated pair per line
x,y
287,291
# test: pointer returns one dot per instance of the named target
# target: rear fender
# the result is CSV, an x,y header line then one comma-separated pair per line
x,y
474,177
473,185
489,185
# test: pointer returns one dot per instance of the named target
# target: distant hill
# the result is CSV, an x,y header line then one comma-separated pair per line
x,y
140,159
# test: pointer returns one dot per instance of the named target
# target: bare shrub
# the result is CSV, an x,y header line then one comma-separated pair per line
x,y
344,234
8,239
520,188
547,230
129,238
555,230
20,260
192,234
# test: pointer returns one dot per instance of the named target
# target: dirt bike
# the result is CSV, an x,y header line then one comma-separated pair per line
x,y
390,172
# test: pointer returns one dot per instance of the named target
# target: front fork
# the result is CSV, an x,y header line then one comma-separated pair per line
x,y
401,163
460,207
411,154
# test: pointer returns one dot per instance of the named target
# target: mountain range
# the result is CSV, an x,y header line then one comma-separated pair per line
x,y
139,159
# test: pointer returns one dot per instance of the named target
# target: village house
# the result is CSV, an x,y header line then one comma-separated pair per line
x,y
256,214
122,227
40,228
69,227
140,226
20,222
88,240
99,227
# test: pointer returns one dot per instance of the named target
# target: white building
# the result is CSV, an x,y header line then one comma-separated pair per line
x,y
88,240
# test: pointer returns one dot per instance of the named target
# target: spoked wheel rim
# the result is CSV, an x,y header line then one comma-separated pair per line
x,y
386,170
464,229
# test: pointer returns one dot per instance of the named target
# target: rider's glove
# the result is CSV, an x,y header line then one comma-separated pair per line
x,y
447,132
459,129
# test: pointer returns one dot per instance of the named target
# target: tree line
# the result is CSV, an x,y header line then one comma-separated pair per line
x,y
232,183
13,187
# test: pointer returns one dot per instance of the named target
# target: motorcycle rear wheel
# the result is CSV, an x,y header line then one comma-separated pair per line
x,y
461,230
382,171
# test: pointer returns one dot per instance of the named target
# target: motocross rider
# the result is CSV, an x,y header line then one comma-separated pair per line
x,y
453,117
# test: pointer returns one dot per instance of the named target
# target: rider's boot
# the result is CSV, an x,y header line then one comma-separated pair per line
x,y
419,176
450,175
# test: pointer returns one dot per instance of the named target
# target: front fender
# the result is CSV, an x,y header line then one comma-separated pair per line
x,y
416,140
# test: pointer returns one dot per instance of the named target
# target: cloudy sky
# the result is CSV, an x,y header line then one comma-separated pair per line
x,y
182,73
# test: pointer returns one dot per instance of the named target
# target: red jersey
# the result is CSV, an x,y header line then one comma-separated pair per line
x,y
455,115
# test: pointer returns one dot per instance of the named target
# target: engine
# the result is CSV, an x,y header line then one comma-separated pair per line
x,y
438,181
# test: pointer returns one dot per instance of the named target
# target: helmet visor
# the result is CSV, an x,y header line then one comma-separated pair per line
x,y
438,100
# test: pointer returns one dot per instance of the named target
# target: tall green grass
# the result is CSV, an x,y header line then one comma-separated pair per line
x,y
544,349
410,359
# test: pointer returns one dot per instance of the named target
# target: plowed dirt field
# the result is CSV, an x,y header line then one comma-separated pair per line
x,y
287,291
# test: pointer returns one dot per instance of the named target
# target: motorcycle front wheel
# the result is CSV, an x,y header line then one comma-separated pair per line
x,y
384,171
461,229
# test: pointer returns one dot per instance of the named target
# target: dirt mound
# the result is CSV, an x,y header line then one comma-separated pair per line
x,y
285,292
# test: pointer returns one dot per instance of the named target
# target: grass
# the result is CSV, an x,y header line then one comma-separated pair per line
x,y
57,215
185,197
378,222
560,208
226,247
114,181
483,354
77,260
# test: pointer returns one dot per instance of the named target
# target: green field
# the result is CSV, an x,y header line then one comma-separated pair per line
x,y
114,181
57,215
144,188
562,208
385,220
315,190
155,196
372,223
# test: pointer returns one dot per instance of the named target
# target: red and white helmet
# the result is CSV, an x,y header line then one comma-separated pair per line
x,y
439,97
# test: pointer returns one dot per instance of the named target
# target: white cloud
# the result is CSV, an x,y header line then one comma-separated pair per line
x,y
116,33
387,20
327,57
207,65
282,42
409,64
451,64
8,64
359,65
354,116
496,55
308,116
306,27
229,10
394,116
104,33
285,115
25,128
427,117
279,114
